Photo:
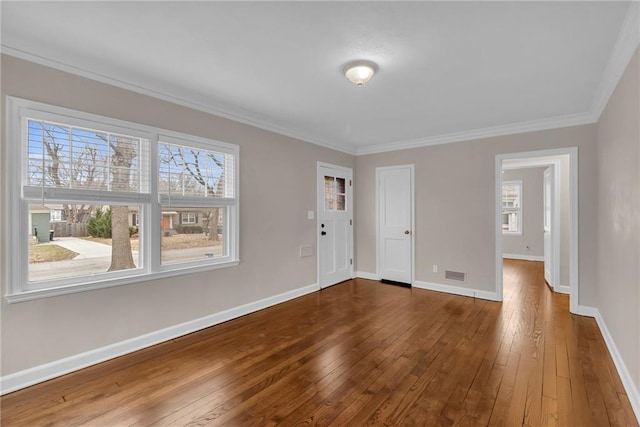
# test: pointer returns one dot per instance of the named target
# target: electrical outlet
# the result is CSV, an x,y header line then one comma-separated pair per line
x,y
306,251
435,268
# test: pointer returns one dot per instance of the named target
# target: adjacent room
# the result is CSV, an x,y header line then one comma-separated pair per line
x,y
320,213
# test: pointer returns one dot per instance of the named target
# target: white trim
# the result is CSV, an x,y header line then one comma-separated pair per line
x,y
490,132
563,289
211,107
254,120
623,50
524,257
627,381
178,270
365,275
31,376
584,310
574,294
456,290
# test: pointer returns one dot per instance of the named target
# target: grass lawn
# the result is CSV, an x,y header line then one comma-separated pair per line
x,y
177,241
48,253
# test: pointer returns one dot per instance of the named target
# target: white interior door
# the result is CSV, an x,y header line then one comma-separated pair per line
x,y
394,186
548,224
335,224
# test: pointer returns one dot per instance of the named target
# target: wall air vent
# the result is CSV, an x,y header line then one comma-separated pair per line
x,y
454,275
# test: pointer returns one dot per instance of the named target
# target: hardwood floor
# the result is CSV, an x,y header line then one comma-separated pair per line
x,y
358,353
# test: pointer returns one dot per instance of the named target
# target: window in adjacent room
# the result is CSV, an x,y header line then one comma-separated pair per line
x,y
512,207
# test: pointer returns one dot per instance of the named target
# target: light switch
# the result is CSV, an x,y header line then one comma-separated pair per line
x,y
306,251
310,215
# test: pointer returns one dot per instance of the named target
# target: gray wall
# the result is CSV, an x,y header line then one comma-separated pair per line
x,y
41,331
455,220
532,214
618,230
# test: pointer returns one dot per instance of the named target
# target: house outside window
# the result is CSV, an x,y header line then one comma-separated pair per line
x,y
102,169
512,207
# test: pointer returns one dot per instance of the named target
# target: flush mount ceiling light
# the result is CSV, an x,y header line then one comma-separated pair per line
x,y
359,72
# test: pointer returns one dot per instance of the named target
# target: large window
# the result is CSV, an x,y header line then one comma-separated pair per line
x,y
512,207
136,201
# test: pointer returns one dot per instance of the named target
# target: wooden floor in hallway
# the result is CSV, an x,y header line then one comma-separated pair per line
x,y
358,353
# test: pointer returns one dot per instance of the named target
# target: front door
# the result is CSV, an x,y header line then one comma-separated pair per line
x,y
335,224
394,186
547,225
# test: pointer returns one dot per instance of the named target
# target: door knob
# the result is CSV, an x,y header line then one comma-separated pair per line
x,y
406,232
323,233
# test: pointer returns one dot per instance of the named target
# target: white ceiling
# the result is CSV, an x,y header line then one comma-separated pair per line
x,y
447,69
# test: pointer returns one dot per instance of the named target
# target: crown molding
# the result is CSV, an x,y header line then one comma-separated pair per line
x,y
489,132
623,50
626,44
236,115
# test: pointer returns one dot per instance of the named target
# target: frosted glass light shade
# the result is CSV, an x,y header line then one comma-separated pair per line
x,y
360,72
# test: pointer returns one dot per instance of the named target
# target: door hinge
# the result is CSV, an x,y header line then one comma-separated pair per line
x,y
350,222
350,261
349,183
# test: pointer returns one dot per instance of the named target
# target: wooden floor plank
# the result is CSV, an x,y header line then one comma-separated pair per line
x,y
358,353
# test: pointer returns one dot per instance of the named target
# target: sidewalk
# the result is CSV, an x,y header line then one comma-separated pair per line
x,y
84,248
95,258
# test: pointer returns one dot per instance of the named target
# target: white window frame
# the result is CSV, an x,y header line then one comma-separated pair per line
x,y
189,216
16,225
518,210
55,215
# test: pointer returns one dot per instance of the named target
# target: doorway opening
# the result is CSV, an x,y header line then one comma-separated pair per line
x,y
556,234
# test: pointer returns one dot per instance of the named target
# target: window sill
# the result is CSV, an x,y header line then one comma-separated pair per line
x,y
110,283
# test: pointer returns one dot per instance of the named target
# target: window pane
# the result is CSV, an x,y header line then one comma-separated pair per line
x,y
195,172
510,221
63,156
340,185
202,238
340,202
510,195
89,240
329,193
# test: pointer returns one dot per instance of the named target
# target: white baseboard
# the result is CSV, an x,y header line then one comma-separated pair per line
x,y
583,310
629,386
564,289
31,376
524,257
456,290
365,275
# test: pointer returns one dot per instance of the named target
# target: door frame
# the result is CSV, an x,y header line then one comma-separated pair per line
x,y
413,217
574,291
555,224
320,206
